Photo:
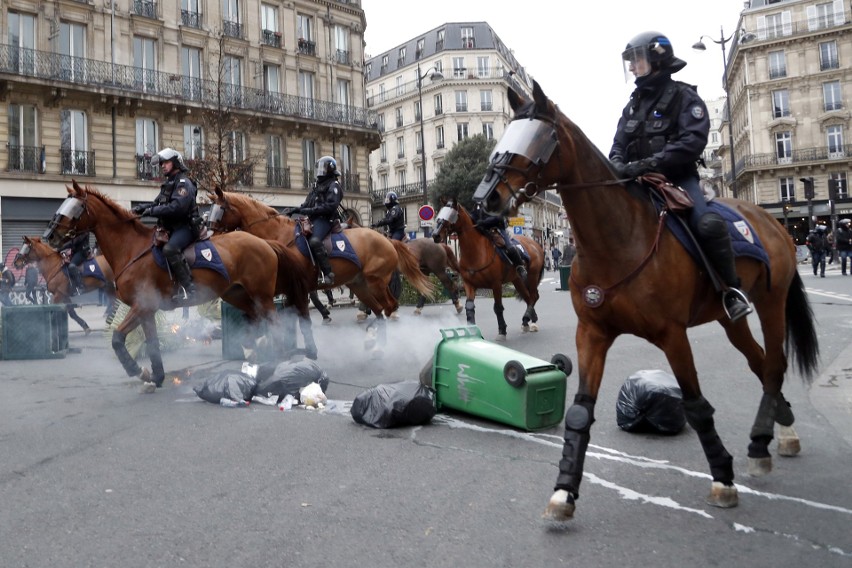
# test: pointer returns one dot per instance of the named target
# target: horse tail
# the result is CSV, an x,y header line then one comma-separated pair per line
x,y
452,260
408,264
290,281
801,332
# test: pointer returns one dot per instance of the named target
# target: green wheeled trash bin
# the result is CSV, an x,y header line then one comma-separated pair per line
x,y
34,331
564,277
478,377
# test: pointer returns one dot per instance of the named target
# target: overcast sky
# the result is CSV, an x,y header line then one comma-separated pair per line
x,y
573,49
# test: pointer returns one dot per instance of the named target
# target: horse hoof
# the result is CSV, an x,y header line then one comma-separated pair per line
x,y
525,329
148,387
361,317
722,496
394,316
533,327
758,467
145,376
500,337
417,311
560,508
459,308
87,331
788,442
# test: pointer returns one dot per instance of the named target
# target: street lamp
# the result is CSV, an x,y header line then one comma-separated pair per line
x,y
722,41
436,76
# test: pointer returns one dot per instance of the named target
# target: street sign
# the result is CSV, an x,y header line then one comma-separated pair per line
x,y
516,221
426,213
426,223
518,230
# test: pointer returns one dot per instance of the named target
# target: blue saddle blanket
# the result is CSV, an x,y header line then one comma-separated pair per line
x,y
744,240
90,268
340,246
513,242
206,256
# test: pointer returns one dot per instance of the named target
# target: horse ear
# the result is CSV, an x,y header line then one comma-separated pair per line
x,y
219,193
539,97
516,101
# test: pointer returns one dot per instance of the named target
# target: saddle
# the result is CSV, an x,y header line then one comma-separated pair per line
x,y
675,197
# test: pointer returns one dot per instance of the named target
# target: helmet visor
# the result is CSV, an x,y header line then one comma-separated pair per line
x,y
636,63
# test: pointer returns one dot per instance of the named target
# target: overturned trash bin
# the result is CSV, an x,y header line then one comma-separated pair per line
x,y
33,332
472,375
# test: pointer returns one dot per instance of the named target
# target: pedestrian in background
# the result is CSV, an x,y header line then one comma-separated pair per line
x,y
843,242
569,253
817,244
7,282
556,256
30,282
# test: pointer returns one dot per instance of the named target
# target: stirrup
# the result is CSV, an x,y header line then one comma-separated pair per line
x,y
736,304
183,294
325,279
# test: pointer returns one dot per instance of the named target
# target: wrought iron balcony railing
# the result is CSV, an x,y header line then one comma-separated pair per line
x,y
91,73
307,179
350,183
277,177
233,29
146,8
272,38
26,159
77,162
403,191
190,19
243,173
342,57
144,169
307,47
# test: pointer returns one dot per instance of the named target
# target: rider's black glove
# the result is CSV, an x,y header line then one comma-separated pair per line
x,y
639,167
141,210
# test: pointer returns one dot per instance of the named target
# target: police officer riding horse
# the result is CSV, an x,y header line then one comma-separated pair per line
x,y
664,128
177,215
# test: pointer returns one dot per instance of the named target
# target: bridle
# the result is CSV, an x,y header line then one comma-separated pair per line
x,y
216,218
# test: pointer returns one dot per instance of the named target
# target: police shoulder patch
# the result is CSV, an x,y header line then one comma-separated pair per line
x,y
182,191
698,112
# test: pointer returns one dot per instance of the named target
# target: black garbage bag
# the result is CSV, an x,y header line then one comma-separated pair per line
x,y
650,401
227,384
288,377
407,403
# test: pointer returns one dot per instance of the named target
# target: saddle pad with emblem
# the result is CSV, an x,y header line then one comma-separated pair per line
x,y
90,269
337,245
201,254
743,239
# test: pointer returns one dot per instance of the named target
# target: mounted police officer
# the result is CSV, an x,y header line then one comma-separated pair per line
x,y
74,253
321,208
664,128
394,217
489,224
176,212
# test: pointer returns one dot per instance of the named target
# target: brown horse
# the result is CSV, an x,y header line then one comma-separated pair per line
x,y
629,276
433,258
256,269
482,266
379,256
51,266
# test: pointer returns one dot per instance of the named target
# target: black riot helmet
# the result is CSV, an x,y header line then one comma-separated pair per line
x,y
327,166
653,48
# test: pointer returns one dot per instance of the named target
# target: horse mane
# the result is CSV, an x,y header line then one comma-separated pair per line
x,y
244,202
120,211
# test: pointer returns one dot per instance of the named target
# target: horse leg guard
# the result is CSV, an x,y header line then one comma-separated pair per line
x,y
152,345
699,415
578,423
470,311
307,329
501,321
131,367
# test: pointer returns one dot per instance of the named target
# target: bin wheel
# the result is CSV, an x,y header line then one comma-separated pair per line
x,y
515,373
563,363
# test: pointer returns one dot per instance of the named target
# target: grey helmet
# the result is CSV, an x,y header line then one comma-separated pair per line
x,y
169,154
391,198
327,166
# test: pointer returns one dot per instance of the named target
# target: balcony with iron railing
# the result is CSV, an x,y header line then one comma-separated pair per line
x,y
829,63
271,37
77,162
350,183
410,88
233,29
144,169
190,19
26,159
796,159
277,177
307,47
92,74
342,56
408,190
145,8
242,173
307,179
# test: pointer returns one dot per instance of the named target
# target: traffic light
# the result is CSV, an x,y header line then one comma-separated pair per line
x,y
809,187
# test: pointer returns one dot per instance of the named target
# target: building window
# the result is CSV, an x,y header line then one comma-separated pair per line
x,y
400,86
270,33
22,36
400,178
383,152
341,42
400,147
840,180
459,71
485,102
400,62
439,105
384,68
193,142
774,25
831,95
418,138
828,56
190,13
145,63
467,39
383,181
834,138
398,112
784,147
787,186
488,130
780,103
382,122
72,50
418,51
439,43
231,21
777,65
25,155
309,159
190,65
439,136
232,80
147,144
305,33
417,115
276,174
461,101
821,16
462,130
482,68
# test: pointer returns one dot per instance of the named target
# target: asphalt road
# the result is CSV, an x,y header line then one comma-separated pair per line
x,y
95,474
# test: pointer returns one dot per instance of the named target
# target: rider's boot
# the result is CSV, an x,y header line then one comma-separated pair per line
x,y
183,276
76,279
517,261
326,277
717,246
